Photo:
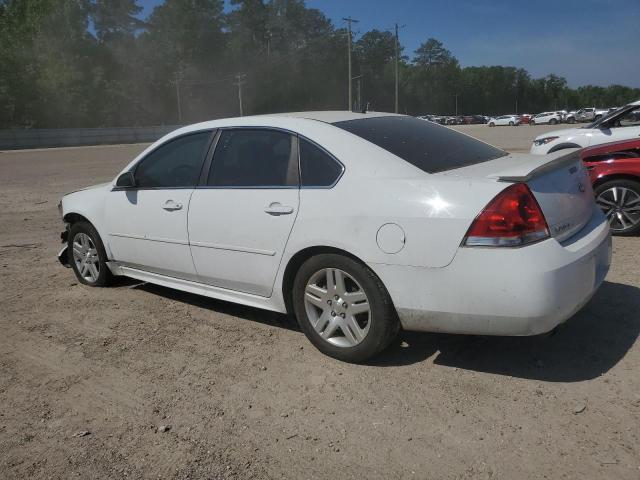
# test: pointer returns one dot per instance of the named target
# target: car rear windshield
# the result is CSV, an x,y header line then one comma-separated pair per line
x,y
430,147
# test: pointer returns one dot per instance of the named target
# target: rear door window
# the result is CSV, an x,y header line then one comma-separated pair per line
x,y
261,158
428,146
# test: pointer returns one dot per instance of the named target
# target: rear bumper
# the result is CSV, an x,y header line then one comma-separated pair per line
x,y
520,291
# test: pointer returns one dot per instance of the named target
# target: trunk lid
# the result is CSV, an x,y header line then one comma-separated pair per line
x,y
559,182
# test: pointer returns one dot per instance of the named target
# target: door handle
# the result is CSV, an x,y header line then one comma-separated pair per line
x,y
170,205
278,209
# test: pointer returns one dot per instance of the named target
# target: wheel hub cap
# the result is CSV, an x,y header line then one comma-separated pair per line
x,y
337,307
622,207
85,257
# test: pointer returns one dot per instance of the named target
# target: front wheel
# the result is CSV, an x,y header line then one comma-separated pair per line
x,y
553,121
532,123
343,308
620,201
491,124
511,124
87,255
572,120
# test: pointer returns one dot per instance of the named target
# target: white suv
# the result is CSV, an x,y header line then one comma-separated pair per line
x,y
622,124
551,118
510,120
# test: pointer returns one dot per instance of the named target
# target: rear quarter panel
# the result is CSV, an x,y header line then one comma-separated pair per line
x,y
434,212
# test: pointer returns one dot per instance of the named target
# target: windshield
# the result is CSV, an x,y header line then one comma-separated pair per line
x,y
428,146
609,116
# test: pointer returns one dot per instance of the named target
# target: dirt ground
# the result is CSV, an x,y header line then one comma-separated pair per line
x,y
88,376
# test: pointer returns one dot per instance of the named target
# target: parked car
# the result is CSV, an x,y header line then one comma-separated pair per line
x,y
552,118
453,121
524,119
590,114
277,212
614,169
569,116
622,124
502,120
473,119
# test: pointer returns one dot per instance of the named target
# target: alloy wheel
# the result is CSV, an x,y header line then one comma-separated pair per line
x,y
85,257
622,207
337,307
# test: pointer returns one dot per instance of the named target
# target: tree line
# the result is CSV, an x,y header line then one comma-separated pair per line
x,y
90,63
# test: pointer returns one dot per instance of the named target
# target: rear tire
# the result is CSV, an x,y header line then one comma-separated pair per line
x,y
616,198
491,124
511,124
553,121
343,308
89,258
531,123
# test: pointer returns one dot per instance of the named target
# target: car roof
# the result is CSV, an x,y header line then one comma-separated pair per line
x,y
317,127
280,119
332,116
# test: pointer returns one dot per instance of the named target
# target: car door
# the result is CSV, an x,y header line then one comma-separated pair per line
x,y
241,218
147,223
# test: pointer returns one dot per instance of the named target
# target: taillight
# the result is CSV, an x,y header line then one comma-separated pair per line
x,y
513,218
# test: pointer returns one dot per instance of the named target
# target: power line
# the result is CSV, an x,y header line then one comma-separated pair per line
x,y
349,21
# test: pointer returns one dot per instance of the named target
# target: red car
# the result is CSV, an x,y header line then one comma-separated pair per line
x,y
524,119
615,173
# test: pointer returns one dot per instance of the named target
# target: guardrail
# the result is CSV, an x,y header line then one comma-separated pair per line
x,y
76,137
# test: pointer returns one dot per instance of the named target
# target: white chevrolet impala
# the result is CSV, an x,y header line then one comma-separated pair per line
x,y
359,224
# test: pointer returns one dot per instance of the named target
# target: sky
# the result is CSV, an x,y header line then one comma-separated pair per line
x,y
586,41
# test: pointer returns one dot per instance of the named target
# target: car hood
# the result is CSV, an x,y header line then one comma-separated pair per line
x,y
566,132
91,187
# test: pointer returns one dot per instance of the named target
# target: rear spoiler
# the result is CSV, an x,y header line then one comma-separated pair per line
x,y
533,168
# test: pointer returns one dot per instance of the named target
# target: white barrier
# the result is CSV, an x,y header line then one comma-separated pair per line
x,y
74,137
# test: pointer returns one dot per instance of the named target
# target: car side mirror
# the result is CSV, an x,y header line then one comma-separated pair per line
x,y
126,180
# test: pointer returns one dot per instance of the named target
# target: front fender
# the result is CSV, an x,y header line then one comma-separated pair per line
x,y
88,204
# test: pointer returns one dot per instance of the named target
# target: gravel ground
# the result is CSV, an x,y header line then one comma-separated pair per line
x,y
139,381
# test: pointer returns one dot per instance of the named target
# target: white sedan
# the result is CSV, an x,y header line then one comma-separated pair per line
x,y
358,224
621,124
504,120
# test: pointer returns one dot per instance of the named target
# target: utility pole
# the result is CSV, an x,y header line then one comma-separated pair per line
x,y
349,21
177,82
240,80
359,90
269,36
397,61
456,95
